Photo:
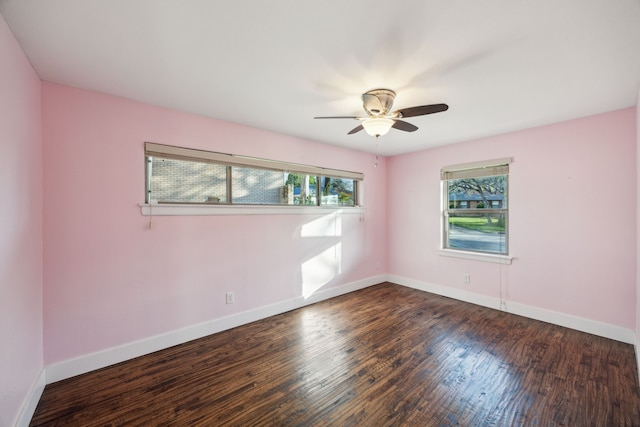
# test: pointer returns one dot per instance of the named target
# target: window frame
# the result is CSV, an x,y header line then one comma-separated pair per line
x,y
230,161
496,167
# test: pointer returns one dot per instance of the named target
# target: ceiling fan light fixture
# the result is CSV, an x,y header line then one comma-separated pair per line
x,y
377,126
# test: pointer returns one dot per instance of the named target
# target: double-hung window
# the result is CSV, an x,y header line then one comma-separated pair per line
x,y
176,175
475,207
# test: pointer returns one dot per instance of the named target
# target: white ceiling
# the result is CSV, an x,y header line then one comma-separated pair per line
x,y
500,65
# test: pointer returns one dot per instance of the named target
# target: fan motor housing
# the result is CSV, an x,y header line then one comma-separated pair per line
x,y
378,102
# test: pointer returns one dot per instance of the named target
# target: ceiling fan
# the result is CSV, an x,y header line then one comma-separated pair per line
x,y
379,120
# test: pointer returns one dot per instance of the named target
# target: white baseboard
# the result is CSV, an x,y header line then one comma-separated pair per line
x,y
90,362
637,348
447,291
31,402
582,324
567,320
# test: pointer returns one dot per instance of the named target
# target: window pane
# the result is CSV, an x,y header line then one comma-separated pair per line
x,y
337,191
182,181
478,193
467,226
257,186
303,189
477,232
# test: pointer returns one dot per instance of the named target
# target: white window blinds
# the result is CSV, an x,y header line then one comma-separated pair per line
x,y
476,169
180,153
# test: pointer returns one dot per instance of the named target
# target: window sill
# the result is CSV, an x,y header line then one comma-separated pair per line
x,y
199,210
497,259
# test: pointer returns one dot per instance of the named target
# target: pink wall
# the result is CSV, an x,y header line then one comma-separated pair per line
x,y
21,359
638,233
110,280
572,213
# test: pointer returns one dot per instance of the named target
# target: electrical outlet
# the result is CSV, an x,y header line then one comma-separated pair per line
x,y
230,298
467,278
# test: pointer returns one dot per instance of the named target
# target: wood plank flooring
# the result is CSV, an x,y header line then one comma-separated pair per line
x,y
382,356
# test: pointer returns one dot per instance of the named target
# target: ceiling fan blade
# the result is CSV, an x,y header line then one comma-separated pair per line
x,y
338,117
355,130
421,110
405,126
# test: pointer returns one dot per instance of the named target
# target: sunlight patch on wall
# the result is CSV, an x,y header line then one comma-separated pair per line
x,y
326,226
321,269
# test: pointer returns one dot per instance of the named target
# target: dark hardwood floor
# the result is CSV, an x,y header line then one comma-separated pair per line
x,y
385,355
